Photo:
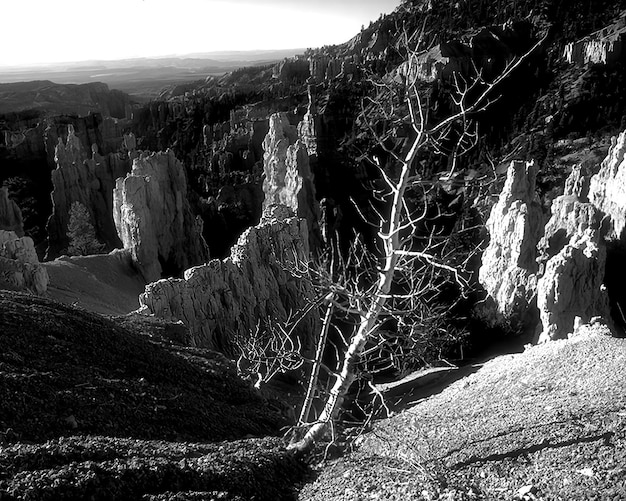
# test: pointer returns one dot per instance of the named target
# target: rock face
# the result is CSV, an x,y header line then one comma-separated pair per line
x,y
19,265
608,189
288,176
571,287
258,284
153,217
10,214
573,255
509,265
567,277
88,179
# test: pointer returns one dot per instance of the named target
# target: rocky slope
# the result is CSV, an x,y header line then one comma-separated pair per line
x,y
544,424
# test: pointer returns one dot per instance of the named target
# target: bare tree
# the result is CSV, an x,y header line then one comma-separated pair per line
x,y
406,271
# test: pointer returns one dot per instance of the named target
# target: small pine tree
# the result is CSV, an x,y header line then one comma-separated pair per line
x,y
81,232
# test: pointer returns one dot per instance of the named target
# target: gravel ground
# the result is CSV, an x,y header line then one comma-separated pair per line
x,y
549,423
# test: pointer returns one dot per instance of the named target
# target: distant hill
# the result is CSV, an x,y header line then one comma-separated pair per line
x,y
145,77
53,98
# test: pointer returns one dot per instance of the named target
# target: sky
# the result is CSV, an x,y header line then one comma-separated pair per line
x,y
44,31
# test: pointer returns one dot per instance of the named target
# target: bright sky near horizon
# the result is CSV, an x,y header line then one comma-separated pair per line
x,y
43,31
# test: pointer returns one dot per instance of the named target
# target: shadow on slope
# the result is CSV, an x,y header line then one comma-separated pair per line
x,y
64,371
103,283
87,404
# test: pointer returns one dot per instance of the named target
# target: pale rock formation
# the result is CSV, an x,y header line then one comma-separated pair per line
x,y
257,284
568,283
605,46
19,265
288,176
571,215
306,128
84,179
153,217
608,189
509,266
10,214
572,286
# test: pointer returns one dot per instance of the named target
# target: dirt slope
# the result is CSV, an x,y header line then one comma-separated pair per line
x,y
87,405
103,283
549,423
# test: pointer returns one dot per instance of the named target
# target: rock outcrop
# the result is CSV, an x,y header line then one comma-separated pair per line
x,y
153,217
288,176
567,279
19,265
573,257
571,289
10,214
509,267
608,189
258,284
88,179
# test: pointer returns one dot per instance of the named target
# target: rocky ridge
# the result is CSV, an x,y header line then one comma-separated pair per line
x,y
259,283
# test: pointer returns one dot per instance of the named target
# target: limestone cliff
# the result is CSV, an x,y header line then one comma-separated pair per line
x,y
153,217
88,179
10,214
19,265
288,176
509,265
259,283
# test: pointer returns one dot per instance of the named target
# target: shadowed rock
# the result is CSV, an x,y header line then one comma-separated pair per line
x,y
19,265
88,179
10,214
